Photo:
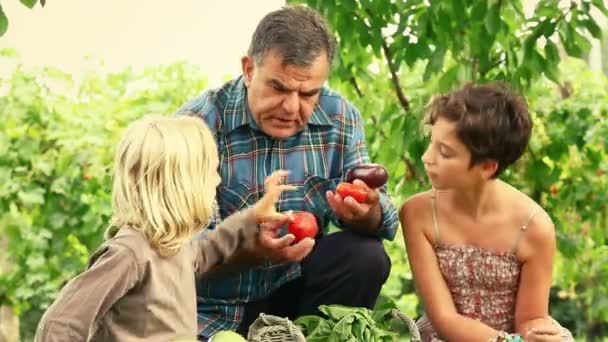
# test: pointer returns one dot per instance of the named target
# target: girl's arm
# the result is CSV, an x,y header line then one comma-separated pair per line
x,y
112,272
415,215
536,250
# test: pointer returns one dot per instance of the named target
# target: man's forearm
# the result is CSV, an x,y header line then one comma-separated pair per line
x,y
369,224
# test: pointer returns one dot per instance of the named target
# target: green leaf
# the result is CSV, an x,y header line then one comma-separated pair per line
x,y
593,28
601,5
492,21
479,10
567,36
551,52
435,63
582,42
29,3
32,197
381,311
3,22
449,78
568,247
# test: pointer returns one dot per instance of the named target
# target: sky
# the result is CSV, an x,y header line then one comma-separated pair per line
x,y
76,35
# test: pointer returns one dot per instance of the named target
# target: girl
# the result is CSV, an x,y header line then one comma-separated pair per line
x,y
139,285
481,252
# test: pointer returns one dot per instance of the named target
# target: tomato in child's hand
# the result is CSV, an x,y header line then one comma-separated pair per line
x,y
373,175
304,225
358,193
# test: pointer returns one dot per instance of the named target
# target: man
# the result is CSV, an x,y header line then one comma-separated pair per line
x,y
278,115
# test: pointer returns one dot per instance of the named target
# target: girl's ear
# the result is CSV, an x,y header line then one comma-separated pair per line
x,y
488,168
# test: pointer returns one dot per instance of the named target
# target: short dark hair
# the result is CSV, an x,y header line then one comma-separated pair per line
x,y
491,120
300,35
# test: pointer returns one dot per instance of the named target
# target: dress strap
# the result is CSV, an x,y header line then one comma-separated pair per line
x,y
434,207
524,227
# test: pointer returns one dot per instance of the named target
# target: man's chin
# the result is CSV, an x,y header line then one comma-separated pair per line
x,y
281,132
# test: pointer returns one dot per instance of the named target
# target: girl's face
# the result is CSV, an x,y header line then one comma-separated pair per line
x,y
447,160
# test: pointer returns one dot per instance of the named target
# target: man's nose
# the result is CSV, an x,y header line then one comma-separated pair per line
x,y
291,103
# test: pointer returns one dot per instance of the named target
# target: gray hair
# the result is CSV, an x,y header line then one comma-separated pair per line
x,y
300,35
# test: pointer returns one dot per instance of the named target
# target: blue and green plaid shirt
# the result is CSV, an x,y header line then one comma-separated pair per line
x,y
318,157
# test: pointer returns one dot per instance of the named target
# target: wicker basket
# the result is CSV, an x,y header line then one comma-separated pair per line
x,y
411,325
268,328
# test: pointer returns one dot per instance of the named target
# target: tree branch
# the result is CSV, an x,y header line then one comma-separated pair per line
x,y
353,82
405,103
411,168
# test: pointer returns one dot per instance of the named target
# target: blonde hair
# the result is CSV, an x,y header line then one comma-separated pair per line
x,y
165,175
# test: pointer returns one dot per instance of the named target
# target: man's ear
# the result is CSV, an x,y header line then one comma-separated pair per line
x,y
247,66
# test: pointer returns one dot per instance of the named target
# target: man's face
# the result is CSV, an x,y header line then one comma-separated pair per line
x,y
282,97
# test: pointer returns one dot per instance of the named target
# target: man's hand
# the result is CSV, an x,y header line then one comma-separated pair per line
x,y
281,250
367,214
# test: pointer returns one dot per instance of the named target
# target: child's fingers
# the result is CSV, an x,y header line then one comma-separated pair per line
x,y
279,218
276,178
285,187
273,220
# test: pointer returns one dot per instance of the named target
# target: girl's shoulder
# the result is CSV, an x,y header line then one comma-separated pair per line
x,y
415,213
536,225
416,204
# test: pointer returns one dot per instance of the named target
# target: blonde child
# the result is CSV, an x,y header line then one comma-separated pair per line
x,y
481,251
139,285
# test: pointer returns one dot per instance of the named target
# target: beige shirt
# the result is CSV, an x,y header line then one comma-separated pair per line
x,y
131,293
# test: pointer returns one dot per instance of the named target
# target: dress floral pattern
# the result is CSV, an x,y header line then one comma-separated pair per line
x,y
483,284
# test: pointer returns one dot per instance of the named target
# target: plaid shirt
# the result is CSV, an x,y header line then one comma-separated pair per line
x,y
332,142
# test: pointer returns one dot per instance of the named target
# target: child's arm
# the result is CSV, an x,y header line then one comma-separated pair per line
x,y
86,298
239,230
536,249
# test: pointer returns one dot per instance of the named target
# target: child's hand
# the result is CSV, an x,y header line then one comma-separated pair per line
x,y
264,210
543,330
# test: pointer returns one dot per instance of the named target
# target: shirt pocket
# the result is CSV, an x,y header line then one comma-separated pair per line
x,y
237,196
314,199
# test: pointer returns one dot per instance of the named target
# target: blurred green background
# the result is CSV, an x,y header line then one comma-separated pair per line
x,y
58,132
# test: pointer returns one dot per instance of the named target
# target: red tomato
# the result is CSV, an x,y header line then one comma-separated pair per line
x,y
347,189
304,225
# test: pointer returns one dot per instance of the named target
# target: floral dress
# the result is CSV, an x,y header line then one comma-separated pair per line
x,y
483,284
